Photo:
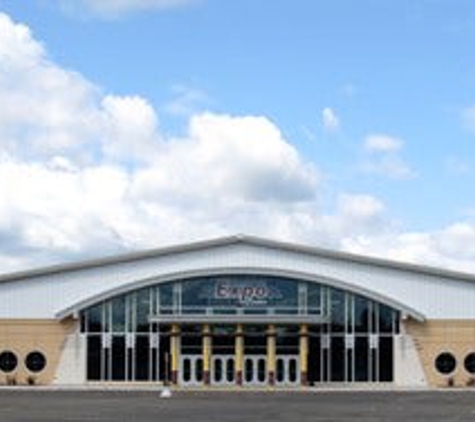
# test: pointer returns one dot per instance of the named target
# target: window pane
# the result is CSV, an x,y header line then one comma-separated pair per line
x,y
280,370
445,363
35,361
191,339
94,319
94,358
199,370
142,358
314,358
118,358
469,363
385,319
386,359
186,370
361,314
338,310
261,370
118,314
143,310
337,347
8,361
293,370
230,370
361,358
249,370
223,339
314,297
218,370
166,298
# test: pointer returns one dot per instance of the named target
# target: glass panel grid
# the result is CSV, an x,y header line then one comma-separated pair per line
x,y
355,345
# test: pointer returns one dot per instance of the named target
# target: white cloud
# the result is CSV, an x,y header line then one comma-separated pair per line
x,y
53,105
85,174
384,157
382,143
330,120
451,247
129,128
229,159
115,8
360,207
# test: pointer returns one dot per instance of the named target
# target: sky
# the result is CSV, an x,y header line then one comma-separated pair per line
x,y
134,124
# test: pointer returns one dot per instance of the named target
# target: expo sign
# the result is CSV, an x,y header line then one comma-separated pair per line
x,y
244,294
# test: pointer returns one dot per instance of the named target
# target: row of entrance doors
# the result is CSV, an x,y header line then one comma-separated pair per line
x,y
223,370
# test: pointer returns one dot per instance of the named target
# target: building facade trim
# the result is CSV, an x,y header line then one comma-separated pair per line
x,y
297,275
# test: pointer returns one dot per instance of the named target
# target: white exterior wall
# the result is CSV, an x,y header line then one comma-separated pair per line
x,y
72,365
408,370
435,297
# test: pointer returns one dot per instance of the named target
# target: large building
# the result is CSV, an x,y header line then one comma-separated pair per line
x,y
238,311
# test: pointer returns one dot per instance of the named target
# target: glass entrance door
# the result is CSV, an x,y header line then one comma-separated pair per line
x,y
223,370
191,370
287,370
255,370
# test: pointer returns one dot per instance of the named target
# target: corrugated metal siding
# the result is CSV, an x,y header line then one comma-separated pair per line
x,y
44,297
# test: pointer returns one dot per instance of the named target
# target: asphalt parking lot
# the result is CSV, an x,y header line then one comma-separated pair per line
x,y
84,406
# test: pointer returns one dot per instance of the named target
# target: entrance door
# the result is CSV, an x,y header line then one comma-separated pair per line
x,y
223,370
191,370
255,370
287,370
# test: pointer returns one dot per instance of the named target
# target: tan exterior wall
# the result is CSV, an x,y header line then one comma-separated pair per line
x,y
25,336
433,337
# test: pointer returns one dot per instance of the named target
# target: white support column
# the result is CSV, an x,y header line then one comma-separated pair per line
x,y
71,369
408,370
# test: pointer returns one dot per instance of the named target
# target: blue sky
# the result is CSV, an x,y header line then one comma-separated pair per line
x,y
372,103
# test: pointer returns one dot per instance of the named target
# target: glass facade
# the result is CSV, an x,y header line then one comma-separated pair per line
x,y
349,337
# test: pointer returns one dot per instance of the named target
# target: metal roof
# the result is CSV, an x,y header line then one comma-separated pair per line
x,y
235,240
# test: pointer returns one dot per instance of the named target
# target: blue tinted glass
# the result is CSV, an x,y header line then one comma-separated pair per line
x,y
166,298
197,295
361,314
254,294
385,319
314,298
118,314
143,310
94,319
338,310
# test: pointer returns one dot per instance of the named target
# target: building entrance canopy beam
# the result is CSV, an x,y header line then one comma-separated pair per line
x,y
238,318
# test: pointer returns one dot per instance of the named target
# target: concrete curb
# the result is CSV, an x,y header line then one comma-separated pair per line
x,y
224,390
